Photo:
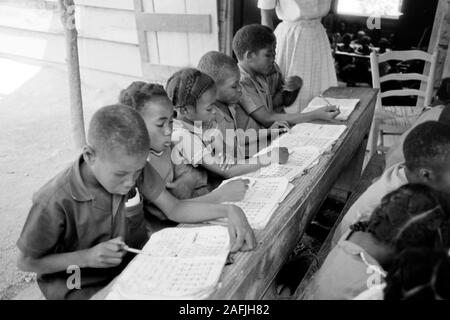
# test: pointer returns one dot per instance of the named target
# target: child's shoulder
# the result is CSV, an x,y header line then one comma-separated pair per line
x,y
57,189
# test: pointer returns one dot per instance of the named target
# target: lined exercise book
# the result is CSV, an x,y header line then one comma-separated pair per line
x,y
262,199
346,106
308,135
300,159
183,263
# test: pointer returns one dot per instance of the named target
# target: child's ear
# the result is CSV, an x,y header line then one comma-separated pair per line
x,y
426,176
89,154
248,55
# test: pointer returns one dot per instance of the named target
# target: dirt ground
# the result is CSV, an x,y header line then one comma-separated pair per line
x,y
35,144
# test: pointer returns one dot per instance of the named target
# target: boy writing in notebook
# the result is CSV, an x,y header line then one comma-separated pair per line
x,y
231,118
78,219
264,91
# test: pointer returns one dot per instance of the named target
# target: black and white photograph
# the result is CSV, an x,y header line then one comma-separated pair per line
x,y
234,158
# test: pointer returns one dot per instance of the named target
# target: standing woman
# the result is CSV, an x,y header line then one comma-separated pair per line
x,y
303,48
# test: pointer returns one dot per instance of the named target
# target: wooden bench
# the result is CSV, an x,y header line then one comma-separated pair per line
x,y
374,169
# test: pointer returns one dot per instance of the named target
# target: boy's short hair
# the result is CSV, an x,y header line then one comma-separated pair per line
x,y
118,127
252,38
139,92
428,144
217,65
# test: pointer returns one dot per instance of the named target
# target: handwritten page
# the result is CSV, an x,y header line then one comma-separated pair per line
x,y
184,263
262,199
330,131
346,106
299,160
189,242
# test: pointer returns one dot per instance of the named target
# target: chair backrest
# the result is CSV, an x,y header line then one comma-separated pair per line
x,y
405,55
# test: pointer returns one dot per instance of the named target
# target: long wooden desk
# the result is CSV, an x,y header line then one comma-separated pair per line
x,y
252,273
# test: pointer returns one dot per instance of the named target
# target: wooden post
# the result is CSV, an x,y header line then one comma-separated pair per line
x,y
439,42
67,12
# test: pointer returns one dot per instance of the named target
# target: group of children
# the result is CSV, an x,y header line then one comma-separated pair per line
x,y
157,157
393,242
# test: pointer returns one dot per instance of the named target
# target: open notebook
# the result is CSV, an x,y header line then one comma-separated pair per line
x,y
308,135
262,199
300,159
183,263
346,106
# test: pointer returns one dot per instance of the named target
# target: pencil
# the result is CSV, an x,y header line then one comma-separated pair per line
x,y
127,248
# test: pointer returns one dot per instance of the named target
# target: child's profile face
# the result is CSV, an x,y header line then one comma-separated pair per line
x,y
441,179
205,111
229,90
263,61
158,118
117,171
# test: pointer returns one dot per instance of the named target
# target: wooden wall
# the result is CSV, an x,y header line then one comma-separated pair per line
x,y
108,39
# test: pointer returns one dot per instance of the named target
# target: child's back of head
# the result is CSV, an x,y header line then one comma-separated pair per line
x,y
118,128
427,154
419,274
410,216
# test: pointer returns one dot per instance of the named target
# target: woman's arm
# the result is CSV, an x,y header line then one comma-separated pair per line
x,y
267,17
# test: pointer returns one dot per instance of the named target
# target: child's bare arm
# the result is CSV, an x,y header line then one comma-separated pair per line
x,y
291,89
188,211
104,255
268,118
279,155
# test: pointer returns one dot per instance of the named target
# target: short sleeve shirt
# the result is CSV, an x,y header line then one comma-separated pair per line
x,y
392,179
258,90
347,271
189,145
67,216
291,10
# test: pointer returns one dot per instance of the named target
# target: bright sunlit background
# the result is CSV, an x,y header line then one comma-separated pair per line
x,y
382,8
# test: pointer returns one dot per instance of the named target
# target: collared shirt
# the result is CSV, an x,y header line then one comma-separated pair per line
x,y
258,90
347,271
67,216
190,145
392,179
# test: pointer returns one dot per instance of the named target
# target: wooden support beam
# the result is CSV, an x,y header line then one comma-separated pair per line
x,y
67,11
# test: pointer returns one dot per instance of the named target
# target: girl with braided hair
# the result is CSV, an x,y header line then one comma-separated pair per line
x,y
411,216
193,94
155,107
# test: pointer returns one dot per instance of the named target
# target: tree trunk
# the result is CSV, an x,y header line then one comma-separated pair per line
x,y
67,11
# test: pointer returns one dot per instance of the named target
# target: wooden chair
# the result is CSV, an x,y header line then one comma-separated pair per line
x,y
395,120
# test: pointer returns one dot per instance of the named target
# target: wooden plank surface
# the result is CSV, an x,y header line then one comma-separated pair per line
x,y
196,23
252,272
